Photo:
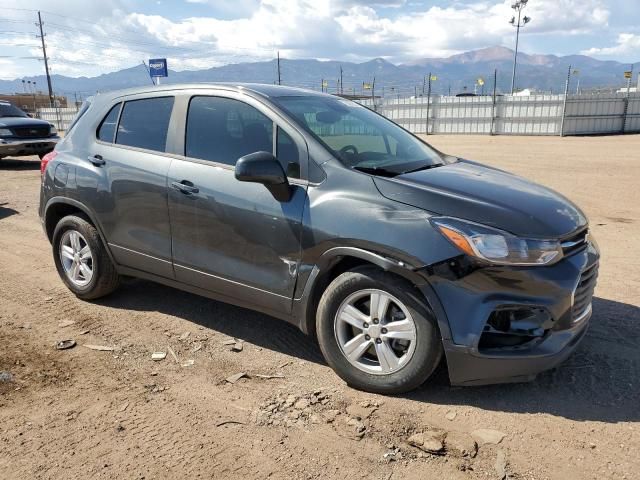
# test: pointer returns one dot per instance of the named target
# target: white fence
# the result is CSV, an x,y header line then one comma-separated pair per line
x,y
59,116
508,115
515,115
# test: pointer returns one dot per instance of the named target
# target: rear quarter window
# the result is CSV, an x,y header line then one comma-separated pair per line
x,y
144,123
107,129
83,109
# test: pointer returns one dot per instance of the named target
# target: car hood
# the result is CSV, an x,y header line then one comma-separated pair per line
x,y
21,122
488,196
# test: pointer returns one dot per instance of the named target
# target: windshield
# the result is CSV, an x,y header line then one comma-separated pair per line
x,y
360,138
8,110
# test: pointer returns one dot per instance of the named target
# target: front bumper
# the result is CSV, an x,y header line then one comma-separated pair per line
x,y
22,147
467,299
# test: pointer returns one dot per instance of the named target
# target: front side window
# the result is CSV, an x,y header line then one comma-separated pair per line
x,y
358,137
288,154
144,123
107,129
223,129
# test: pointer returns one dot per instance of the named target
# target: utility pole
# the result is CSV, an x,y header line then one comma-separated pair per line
x,y
518,6
279,80
341,82
46,60
373,93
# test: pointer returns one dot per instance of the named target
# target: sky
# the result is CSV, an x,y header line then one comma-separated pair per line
x,y
89,37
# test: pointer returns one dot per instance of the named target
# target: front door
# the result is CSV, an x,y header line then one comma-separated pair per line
x,y
233,237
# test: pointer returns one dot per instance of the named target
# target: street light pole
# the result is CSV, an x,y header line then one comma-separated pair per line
x,y
517,6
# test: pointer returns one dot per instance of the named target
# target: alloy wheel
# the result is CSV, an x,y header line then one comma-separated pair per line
x,y
375,332
76,258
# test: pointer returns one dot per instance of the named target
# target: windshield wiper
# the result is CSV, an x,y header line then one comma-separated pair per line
x,y
423,167
383,172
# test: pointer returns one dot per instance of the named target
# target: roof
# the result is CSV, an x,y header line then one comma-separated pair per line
x,y
266,90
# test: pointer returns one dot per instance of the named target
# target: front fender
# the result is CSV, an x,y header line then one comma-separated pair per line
x,y
303,310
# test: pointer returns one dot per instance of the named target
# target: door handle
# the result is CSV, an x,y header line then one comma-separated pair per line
x,y
97,160
185,186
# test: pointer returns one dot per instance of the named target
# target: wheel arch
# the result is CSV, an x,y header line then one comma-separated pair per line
x,y
334,262
59,207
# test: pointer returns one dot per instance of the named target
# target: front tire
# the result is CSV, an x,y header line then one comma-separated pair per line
x,y
82,260
377,333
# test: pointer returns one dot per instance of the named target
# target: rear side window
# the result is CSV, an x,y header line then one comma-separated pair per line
x,y
107,129
144,123
223,130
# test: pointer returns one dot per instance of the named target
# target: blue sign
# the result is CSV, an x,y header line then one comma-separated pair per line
x,y
158,67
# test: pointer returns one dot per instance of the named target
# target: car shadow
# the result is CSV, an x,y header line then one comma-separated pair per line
x,y
259,329
9,163
6,211
599,382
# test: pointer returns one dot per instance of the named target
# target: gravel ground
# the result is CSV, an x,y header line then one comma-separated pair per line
x,y
84,413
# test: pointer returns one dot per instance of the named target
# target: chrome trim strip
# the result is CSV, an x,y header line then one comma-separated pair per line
x,y
585,313
230,281
572,244
139,253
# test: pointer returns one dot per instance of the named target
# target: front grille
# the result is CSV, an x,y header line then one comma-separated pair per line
x,y
575,242
31,132
583,294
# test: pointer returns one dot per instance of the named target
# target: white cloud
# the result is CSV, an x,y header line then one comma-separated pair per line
x,y
627,44
110,35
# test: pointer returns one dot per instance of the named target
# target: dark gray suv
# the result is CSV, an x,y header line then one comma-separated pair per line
x,y
316,210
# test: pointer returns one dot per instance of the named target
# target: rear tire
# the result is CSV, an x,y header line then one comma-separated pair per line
x,y
389,355
82,260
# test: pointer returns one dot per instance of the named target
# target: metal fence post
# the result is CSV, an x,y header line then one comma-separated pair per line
x,y
428,102
564,104
626,102
493,104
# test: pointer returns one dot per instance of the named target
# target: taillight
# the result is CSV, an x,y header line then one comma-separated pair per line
x,y
45,161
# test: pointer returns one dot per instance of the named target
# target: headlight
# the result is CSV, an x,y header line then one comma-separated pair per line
x,y
5,132
52,130
497,246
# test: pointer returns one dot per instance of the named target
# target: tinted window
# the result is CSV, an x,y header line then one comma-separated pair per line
x,y
107,129
287,153
223,130
357,136
144,123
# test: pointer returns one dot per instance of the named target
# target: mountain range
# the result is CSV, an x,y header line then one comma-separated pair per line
x,y
456,74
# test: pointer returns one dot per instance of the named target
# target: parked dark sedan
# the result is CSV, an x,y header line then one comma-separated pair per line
x,y
316,210
21,135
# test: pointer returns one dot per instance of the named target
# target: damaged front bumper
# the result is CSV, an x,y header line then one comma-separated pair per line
x,y
507,324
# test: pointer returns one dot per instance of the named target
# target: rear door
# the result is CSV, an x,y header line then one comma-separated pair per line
x,y
131,198
232,237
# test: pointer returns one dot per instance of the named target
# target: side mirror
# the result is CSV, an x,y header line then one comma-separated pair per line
x,y
263,167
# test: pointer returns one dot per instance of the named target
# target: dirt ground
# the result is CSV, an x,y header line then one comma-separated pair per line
x,y
82,413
